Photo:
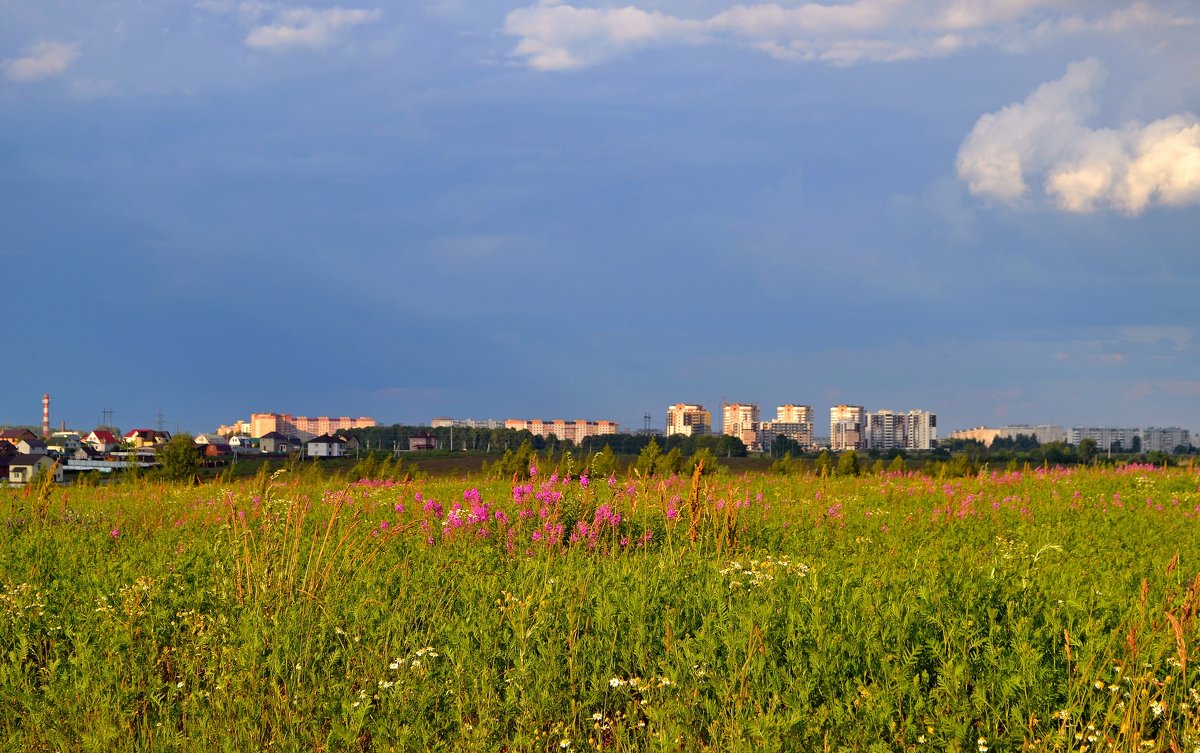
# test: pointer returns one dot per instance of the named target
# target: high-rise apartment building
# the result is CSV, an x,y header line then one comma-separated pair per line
x,y
741,420
847,424
1165,440
791,421
688,419
888,430
794,414
1125,439
920,430
1114,438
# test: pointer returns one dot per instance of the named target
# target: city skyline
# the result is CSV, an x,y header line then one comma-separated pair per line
x,y
596,208
820,420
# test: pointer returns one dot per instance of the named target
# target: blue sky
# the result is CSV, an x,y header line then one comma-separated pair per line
x,y
990,210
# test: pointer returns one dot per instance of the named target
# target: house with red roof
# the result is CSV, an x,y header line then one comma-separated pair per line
x,y
102,440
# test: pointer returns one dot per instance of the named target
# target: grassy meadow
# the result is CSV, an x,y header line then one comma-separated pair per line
x,y
1043,609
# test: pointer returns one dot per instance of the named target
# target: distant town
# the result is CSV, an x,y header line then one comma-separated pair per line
x,y
25,452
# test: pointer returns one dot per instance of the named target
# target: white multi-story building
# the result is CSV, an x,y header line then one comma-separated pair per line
x,y
741,420
794,414
444,422
1107,438
920,430
914,430
791,421
847,425
1044,433
688,419
1165,440
886,430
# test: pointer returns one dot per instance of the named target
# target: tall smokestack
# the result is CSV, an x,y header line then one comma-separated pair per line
x,y
46,416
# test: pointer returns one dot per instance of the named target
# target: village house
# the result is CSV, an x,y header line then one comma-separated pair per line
x,y
31,447
102,440
152,438
212,445
422,441
325,446
64,442
242,444
23,468
86,452
13,436
274,443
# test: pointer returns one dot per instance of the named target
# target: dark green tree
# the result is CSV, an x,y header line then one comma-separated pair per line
x,y
784,466
847,464
604,463
669,464
1087,449
647,460
824,464
178,459
710,463
782,445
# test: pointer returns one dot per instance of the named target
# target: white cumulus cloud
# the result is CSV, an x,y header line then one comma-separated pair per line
x,y
556,35
306,27
561,37
1043,147
43,60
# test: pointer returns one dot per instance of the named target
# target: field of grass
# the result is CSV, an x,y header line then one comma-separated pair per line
x,y
1044,609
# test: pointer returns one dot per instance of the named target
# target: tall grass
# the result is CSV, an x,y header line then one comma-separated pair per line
x,y
1044,610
